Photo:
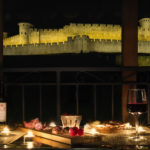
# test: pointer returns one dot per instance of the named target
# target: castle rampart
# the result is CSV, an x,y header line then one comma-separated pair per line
x,y
30,35
77,44
73,38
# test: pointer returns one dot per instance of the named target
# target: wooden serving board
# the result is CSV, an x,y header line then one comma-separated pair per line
x,y
14,135
51,142
64,138
89,140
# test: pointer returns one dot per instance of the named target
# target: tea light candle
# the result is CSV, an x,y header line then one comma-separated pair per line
x,y
93,131
6,131
52,124
140,129
128,126
28,136
30,145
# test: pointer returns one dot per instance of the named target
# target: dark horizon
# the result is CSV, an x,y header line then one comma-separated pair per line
x,y
57,14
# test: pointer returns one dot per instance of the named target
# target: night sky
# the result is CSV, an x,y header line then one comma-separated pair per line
x,y
56,14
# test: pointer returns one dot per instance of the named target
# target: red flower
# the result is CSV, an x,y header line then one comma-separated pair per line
x,y
38,126
73,131
80,132
28,125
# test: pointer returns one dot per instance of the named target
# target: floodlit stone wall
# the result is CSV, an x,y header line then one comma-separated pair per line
x,y
73,38
77,44
30,35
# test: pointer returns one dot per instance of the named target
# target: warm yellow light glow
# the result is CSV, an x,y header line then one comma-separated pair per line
x,y
140,129
128,126
30,145
29,134
137,138
87,126
52,124
139,147
5,146
93,131
6,131
100,125
30,35
28,137
90,130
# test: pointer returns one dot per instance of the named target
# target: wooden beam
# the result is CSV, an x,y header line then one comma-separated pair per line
x,y
1,48
129,49
58,96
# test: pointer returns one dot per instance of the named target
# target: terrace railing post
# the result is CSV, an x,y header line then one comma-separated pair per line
x,y
94,97
1,48
58,94
77,99
112,102
148,111
129,48
23,104
40,92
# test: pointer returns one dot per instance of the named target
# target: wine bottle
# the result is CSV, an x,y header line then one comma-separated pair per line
x,y
3,111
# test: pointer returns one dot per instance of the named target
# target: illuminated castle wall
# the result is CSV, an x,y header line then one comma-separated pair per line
x,y
30,35
73,38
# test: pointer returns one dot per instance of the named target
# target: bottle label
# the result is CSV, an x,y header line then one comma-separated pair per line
x,y
3,112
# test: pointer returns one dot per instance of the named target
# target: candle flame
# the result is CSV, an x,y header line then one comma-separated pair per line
x,y
128,126
6,131
52,124
140,129
90,130
30,145
100,126
87,126
29,134
93,131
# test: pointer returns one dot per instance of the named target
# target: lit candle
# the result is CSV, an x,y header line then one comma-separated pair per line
x,y
100,126
28,136
52,124
128,126
87,126
140,129
30,145
6,131
93,131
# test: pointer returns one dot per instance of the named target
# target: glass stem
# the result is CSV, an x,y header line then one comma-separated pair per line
x,y
136,124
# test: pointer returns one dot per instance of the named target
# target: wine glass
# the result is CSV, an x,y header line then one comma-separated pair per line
x,y
136,105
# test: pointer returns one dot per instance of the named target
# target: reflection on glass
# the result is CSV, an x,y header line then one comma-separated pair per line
x,y
136,105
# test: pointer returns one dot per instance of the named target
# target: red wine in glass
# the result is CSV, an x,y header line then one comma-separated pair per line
x,y
137,107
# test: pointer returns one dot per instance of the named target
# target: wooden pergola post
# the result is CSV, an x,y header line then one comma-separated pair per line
x,y
1,48
129,48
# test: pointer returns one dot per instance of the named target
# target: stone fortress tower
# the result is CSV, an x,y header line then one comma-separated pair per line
x,y
73,38
144,29
24,30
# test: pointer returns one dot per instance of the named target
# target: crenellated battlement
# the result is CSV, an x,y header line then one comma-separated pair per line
x,y
95,37
77,44
30,35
